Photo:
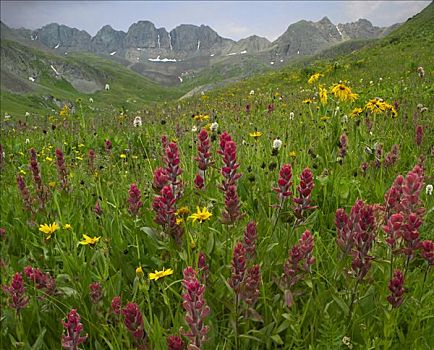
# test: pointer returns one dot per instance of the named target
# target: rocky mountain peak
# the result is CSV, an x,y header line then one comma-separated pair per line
x,y
108,40
188,37
57,36
362,28
325,21
142,34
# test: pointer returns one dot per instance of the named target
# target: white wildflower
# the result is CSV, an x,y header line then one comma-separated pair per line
x,y
345,119
27,141
347,341
428,189
137,121
214,127
420,71
277,143
194,128
90,100
291,116
7,116
252,92
27,114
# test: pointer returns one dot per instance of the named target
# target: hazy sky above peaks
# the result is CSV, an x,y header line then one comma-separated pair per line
x,y
231,19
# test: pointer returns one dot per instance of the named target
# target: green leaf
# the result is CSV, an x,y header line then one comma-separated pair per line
x,y
271,246
277,339
40,341
68,291
343,306
284,325
210,243
148,230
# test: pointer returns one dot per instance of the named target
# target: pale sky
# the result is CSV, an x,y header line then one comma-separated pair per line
x,y
230,19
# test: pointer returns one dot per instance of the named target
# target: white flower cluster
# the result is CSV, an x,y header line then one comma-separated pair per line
x,y
214,127
277,143
137,122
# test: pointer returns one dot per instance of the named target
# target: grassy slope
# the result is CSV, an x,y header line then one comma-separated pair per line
x,y
401,52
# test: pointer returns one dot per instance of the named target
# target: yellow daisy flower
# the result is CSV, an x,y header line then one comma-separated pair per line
x,y
356,112
183,211
343,92
255,134
89,240
48,229
200,215
201,117
323,95
159,274
313,78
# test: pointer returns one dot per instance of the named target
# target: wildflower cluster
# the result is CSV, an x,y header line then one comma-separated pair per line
x,y
379,106
16,292
203,158
245,276
73,328
196,309
343,92
356,234
42,281
298,264
403,212
228,150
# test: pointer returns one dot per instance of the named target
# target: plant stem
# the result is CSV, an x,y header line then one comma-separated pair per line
x,y
406,266
423,283
236,321
276,220
391,263
353,297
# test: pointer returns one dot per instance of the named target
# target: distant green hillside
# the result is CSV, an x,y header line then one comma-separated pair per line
x,y
82,73
78,72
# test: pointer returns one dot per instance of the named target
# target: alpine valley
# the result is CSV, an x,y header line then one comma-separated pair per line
x,y
59,62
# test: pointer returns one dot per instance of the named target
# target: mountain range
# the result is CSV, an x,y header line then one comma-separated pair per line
x,y
53,65
144,41
170,57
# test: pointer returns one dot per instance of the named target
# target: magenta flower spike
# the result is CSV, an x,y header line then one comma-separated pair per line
x,y
134,200
134,323
73,328
16,291
396,288
196,310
